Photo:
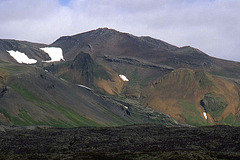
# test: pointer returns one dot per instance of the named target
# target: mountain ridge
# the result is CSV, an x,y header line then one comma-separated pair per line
x,y
144,61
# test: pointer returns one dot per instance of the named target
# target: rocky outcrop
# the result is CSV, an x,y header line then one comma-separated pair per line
x,y
136,62
3,91
214,104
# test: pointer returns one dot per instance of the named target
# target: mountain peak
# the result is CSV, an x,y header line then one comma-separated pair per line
x,y
104,29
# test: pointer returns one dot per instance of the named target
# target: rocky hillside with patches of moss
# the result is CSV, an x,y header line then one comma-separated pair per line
x,y
33,96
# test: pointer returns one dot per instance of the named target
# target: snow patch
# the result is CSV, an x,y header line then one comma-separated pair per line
x,y
21,57
79,85
125,107
124,78
205,115
55,53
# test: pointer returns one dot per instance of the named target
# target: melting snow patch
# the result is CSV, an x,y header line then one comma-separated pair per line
x,y
205,115
21,57
54,53
125,107
79,85
124,78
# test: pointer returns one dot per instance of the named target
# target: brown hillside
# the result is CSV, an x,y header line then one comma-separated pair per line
x,y
185,94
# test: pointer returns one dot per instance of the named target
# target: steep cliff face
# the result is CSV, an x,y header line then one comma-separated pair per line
x,y
195,97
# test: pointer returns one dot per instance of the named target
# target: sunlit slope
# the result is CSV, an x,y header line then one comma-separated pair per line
x,y
186,94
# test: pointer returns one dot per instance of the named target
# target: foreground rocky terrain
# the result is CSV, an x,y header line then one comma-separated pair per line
x,y
147,141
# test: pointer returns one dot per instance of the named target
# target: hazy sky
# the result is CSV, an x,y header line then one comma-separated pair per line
x,y
212,26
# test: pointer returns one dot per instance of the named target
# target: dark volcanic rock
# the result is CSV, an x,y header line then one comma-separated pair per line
x,y
149,141
84,63
214,102
3,91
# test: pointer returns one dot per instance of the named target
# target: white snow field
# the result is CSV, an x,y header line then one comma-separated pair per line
x,y
21,57
205,115
124,78
55,53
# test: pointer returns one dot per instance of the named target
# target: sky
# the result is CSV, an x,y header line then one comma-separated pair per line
x,y
212,26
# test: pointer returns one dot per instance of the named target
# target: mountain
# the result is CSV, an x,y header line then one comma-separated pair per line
x,y
167,78
123,52
106,78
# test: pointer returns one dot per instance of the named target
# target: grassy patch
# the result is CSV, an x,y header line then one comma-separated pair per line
x,y
186,77
192,115
144,81
57,123
134,78
25,119
229,119
115,119
14,120
25,93
203,79
101,72
216,114
5,113
77,120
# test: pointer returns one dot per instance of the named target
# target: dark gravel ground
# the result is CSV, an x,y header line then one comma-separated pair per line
x,y
129,142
